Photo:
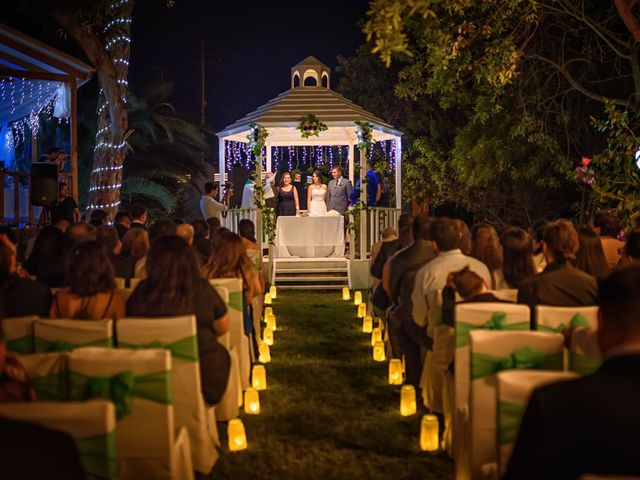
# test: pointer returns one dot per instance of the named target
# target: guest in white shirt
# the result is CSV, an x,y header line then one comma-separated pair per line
x,y
211,207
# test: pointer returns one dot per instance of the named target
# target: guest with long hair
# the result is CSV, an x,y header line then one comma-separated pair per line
x,y
135,244
486,247
47,259
174,286
517,256
91,292
590,257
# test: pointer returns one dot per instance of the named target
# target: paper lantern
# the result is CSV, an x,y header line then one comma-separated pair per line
x,y
259,377
237,435
346,294
267,311
273,291
395,371
251,401
362,310
429,433
267,336
267,299
357,298
407,400
380,323
264,353
367,324
378,352
376,336
133,282
271,322
120,283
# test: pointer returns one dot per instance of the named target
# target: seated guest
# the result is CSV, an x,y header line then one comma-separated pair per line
x,y
201,237
158,229
20,296
214,224
607,226
187,233
15,386
121,223
631,251
389,234
590,257
591,424
517,257
91,294
560,283
98,217
80,232
216,235
135,244
138,216
47,260
465,236
123,266
536,230
247,232
486,247
174,286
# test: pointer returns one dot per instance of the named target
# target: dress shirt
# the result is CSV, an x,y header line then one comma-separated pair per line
x,y
211,208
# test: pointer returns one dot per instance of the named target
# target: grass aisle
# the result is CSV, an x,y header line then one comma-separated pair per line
x,y
329,412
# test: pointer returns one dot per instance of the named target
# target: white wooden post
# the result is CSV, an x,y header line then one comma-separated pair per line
x,y
398,147
363,202
352,161
221,166
268,165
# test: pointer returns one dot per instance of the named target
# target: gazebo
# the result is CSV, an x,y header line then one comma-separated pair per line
x,y
311,94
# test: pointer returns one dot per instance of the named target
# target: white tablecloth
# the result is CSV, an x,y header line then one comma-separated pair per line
x,y
310,237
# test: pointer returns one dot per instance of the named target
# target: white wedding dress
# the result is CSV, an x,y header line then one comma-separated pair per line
x,y
318,206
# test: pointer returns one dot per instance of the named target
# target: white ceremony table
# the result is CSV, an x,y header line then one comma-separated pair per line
x,y
309,237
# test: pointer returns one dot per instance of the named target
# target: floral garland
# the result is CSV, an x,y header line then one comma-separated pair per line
x,y
257,138
364,133
311,126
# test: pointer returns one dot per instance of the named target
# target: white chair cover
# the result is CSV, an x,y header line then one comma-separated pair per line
x,y
492,351
231,401
91,424
147,446
179,335
470,316
18,333
584,352
437,360
47,372
65,335
514,390
507,294
555,319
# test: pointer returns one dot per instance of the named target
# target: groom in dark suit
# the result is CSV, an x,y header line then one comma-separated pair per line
x,y
590,425
339,190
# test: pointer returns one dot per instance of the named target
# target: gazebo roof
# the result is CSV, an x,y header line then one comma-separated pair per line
x,y
284,111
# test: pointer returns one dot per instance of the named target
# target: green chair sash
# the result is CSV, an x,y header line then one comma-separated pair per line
x,y
50,387
509,418
578,320
121,388
582,364
235,301
498,321
21,344
99,455
184,349
483,365
43,345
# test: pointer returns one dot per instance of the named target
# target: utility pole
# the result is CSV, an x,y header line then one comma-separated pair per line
x,y
203,101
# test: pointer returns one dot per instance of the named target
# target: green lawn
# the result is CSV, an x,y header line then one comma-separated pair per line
x,y
328,412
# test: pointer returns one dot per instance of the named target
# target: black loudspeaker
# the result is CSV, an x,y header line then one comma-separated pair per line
x,y
44,184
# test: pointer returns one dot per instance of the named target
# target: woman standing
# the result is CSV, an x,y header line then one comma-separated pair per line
x,y
317,196
288,203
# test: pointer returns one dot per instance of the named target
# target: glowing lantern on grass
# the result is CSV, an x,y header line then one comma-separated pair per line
x,y
395,371
378,352
367,324
376,336
120,283
271,322
267,299
251,401
407,400
259,377
362,310
237,435
273,291
264,353
346,294
357,298
267,336
267,311
380,323
133,282
429,431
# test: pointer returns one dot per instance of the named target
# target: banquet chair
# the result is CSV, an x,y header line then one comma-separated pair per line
x,y
139,383
470,317
65,335
48,374
91,424
179,336
491,352
17,333
556,319
584,352
514,389
506,294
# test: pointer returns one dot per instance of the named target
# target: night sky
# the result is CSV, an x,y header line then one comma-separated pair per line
x,y
250,48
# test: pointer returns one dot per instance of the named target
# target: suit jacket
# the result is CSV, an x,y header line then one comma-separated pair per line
x,y
588,425
338,195
123,266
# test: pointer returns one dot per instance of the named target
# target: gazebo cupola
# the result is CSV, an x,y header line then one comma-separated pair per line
x,y
310,72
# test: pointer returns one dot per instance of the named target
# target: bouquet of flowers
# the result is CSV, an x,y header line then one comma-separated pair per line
x,y
311,126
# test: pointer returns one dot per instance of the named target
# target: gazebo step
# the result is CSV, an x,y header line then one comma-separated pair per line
x,y
311,287
310,279
311,270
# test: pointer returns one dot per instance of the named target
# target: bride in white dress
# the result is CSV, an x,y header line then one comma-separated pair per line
x,y
317,196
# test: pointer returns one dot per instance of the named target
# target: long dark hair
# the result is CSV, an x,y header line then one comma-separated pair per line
x,y
517,251
49,243
89,270
590,257
246,229
172,277
229,259
485,246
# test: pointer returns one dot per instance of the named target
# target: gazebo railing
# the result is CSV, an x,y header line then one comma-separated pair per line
x,y
233,217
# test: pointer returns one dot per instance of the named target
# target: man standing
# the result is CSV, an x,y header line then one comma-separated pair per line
x,y
66,209
374,190
209,206
339,191
138,216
